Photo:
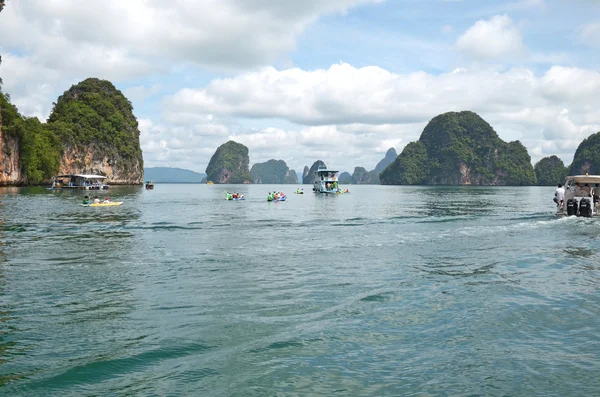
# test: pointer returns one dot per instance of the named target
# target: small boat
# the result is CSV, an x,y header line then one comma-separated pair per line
x,y
326,181
149,185
581,197
299,191
210,183
279,198
231,197
102,204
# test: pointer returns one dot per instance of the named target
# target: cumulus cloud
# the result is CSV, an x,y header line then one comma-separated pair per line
x,y
492,39
350,105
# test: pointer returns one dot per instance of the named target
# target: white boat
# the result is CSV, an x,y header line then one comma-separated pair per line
x,y
326,181
78,181
581,196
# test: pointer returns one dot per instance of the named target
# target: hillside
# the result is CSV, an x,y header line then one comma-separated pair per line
x,y
460,149
274,172
587,156
229,164
550,171
99,133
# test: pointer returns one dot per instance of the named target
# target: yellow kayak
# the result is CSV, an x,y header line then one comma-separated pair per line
x,y
109,204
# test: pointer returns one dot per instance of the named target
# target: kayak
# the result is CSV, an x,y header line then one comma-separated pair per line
x,y
109,204
278,199
235,199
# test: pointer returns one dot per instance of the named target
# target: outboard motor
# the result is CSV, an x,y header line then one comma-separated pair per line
x,y
585,208
571,207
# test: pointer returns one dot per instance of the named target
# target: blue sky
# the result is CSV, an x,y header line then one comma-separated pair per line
x,y
337,80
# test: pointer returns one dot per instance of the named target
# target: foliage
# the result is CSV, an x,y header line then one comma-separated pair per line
x,y
411,167
461,148
95,114
39,147
274,172
550,171
40,151
587,156
229,158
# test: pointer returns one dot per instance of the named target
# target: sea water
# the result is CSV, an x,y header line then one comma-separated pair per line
x,y
399,291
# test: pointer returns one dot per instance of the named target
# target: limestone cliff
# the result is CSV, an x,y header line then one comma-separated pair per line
x,y
10,165
309,174
229,164
99,133
460,149
273,171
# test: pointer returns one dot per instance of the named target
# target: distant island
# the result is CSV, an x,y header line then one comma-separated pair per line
x,y
172,175
460,148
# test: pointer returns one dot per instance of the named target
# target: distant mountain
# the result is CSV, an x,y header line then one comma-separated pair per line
x,y
273,171
345,177
587,156
308,176
172,175
550,171
229,164
389,158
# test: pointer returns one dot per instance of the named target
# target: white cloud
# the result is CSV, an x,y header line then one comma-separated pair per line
x,y
492,39
361,107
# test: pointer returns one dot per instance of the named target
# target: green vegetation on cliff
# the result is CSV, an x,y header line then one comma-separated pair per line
x,y
39,148
229,164
363,177
550,171
95,113
587,157
273,171
460,149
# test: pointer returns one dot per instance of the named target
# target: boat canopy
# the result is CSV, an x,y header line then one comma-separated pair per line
x,y
84,176
326,171
589,179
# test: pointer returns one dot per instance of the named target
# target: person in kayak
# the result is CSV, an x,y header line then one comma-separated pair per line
x,y
96,200
106,201
86,200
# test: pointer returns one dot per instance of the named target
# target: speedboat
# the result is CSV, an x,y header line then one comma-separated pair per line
x,y
581,196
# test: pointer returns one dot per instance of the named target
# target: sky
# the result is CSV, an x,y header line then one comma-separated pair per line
x,y
300,80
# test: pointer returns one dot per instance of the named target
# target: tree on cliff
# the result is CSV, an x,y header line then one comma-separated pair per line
x,y
461,149
587,156
550,171
94,118
38,147
229,164
273,171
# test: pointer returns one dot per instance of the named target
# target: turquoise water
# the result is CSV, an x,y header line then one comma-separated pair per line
x,y
400,291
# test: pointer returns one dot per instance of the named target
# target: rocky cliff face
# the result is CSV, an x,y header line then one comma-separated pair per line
x,y
460,149
309,174
10,166
10,163
229,164
99,133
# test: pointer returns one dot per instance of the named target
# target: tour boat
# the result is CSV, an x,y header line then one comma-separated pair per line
x,y
581,196
78,181
149,185
326,181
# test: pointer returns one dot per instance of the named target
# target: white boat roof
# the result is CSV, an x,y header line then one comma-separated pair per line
x,y
84,176
325,170
590,179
